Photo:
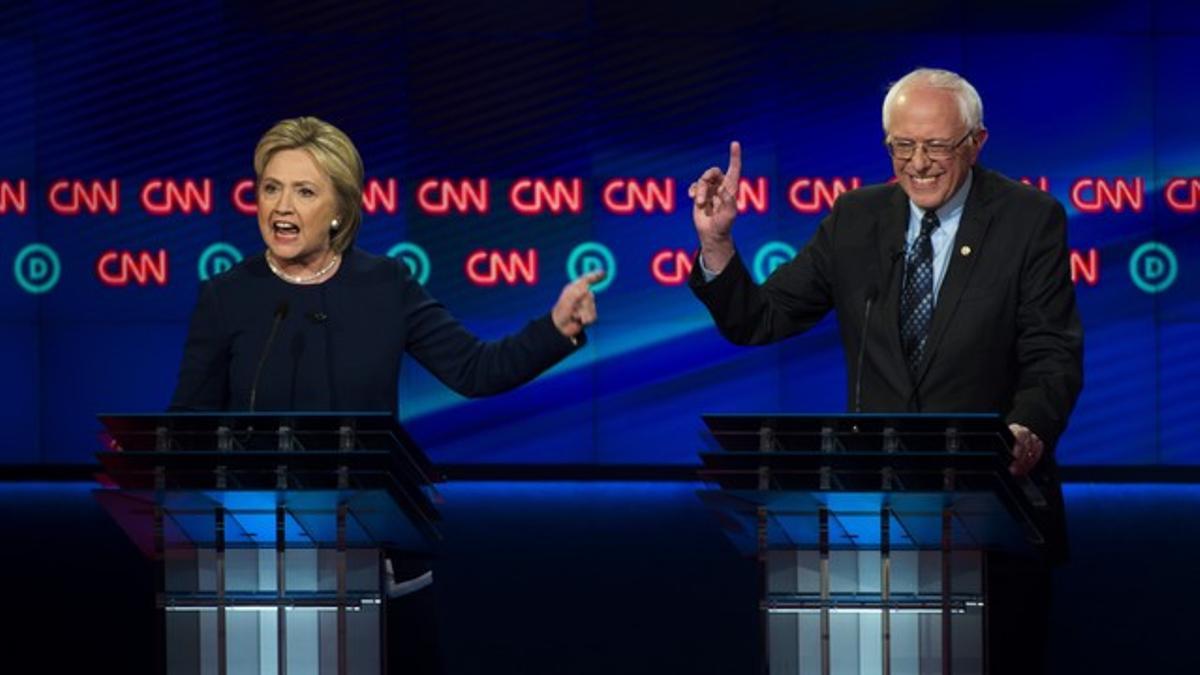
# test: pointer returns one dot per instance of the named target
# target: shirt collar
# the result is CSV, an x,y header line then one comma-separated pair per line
x,y
951,209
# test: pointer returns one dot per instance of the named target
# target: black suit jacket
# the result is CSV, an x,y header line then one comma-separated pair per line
x,y
1005,336
340,345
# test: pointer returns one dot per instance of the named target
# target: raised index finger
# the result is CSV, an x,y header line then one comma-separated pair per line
x,y
734,173
593,277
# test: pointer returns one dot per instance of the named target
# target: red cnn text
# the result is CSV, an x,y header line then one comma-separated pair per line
x,y
14,198
814,195
626,196
122,268
1094,195
167,196
442,196
533,196
75,197
671,267
490,267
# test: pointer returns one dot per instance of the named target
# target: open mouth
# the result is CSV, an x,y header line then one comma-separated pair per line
x,y
285,230
923,181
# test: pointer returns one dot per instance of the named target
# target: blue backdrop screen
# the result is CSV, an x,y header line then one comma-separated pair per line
x,y
509,149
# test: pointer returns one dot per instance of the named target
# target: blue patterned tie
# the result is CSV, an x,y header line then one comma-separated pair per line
x,y
916,301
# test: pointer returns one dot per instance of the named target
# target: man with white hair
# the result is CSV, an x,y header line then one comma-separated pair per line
x,y
968,276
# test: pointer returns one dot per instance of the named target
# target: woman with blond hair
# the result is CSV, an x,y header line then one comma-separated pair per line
x,y
315,324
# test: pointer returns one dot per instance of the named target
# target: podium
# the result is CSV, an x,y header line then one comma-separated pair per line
x,y
268,533
870,531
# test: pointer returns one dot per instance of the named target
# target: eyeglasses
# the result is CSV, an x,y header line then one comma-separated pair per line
x,y
905,149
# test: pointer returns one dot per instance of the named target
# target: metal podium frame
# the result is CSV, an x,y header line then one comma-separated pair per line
x,y
323,493
936,483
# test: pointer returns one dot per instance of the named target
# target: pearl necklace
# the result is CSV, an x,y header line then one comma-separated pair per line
x,y
302,280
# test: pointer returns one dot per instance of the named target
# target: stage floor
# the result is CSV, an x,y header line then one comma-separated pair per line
x,y
567,578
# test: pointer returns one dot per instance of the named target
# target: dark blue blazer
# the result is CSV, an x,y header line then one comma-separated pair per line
x,y
340,345
1006,336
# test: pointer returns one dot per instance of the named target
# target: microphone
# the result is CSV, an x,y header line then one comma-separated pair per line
x,y
281,312
318,317
872,292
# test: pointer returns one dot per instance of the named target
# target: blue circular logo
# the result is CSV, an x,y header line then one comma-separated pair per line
x,y
37,268
769,257
1153,267
589,257
217,258
415,258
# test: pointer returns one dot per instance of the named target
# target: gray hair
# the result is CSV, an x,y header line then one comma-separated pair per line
x,y
970,106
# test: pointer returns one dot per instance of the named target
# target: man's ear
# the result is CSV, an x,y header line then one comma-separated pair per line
x,y
980,138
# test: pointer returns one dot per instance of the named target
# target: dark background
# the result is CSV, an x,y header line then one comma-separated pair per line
x,y
590,90
581,578
559,577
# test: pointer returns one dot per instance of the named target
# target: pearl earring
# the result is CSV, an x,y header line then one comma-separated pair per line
x,y
334,225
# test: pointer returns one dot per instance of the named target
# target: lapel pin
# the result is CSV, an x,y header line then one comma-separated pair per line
x,y
966,251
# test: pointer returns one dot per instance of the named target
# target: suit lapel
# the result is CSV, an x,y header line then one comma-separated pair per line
x,y
965,250
892,227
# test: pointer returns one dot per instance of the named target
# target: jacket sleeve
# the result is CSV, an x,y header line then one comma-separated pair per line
x,y
468,365
1049,346
204,371
793,299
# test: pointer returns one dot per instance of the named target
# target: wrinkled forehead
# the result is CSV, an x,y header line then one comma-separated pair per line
x,y
926,113
290,165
